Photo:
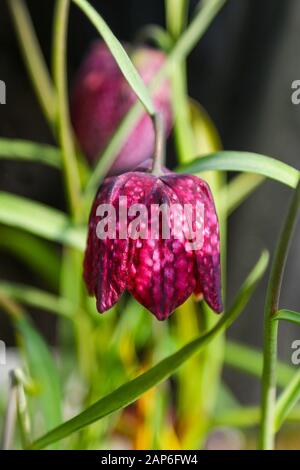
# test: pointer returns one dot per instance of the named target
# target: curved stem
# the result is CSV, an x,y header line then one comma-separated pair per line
x,y
267,431
159,156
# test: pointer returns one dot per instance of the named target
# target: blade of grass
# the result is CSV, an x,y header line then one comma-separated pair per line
x,y
250,361
156,34
246,162
246,417
38,255
130,391
24,150
36,218
38,298
238,189
288,315
33,58
287,401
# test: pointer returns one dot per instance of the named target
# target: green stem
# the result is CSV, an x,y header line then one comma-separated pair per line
x,y
33,58
70,167
160,145
176,16
266,437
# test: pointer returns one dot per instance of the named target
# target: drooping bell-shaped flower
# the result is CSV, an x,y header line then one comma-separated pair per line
x,y
160,268
101,97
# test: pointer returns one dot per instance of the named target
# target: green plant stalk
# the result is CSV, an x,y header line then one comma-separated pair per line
x,y
207,367
33,58
181,49
266,435
176,15
65,135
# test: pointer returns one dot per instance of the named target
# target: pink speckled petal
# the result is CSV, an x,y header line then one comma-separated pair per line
x,y
106,261
191,189
161,272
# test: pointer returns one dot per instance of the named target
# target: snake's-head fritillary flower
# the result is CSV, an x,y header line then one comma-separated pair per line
x,y
160,269
101,97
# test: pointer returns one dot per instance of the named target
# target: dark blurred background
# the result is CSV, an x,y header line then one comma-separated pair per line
x,y
241,72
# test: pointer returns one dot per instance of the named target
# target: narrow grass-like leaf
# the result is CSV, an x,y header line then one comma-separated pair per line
x,y
246,417
39,360
42,258
132,390
238,189
288,315
287,400
43,370
250,361
36,218
246,162
33,57
156,34
24,150
38,298
120,55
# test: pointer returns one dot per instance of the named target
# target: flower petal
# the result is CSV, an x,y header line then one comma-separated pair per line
x,y
161,271
106,260
189,190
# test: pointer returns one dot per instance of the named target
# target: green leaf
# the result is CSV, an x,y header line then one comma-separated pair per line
x,y
120,55
287,400
33,58
43,371
38,255
288,315
238,189
250,361
25,150
156,34
246,417
39,360
132,390
38,298
246,162
39,219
